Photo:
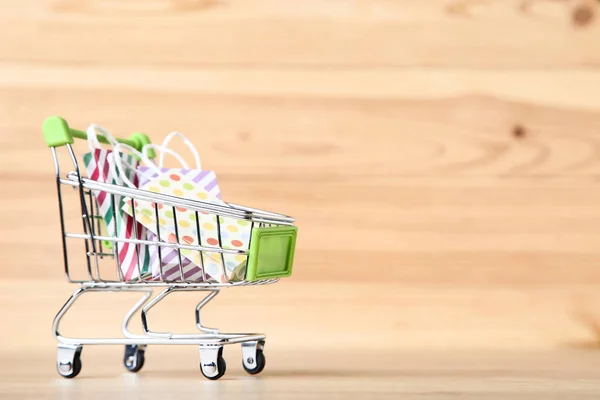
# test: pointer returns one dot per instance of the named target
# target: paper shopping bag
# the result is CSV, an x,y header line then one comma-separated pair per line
x,y
99,165
206,178
168,265
234,234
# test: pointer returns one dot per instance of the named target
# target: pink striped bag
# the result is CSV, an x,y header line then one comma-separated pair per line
x,y
100,167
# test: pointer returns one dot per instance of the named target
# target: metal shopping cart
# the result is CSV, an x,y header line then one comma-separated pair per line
x,y
269,257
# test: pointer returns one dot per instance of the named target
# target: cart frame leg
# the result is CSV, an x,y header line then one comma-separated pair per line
x,y
201,304
162,295
210,341
81,291
125,326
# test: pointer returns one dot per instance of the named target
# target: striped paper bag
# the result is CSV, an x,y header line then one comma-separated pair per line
x,y
100,167
169,263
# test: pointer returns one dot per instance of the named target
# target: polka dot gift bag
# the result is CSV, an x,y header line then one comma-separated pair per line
x,y
100,166
192,228
166,262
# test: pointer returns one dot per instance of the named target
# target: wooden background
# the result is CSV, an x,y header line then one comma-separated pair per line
x,y
441,157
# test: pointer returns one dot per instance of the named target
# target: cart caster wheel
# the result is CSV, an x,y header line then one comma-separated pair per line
x,y
73,370
221,366
253,359
212,364
255,366
68,361
134,357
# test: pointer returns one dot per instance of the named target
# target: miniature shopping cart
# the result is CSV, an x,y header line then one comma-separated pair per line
x,y
269,257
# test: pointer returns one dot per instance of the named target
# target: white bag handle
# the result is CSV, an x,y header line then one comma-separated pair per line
x,y
92,136
163,150
187,142
120,165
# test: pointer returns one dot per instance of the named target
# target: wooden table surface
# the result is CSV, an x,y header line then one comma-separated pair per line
x,y
441,159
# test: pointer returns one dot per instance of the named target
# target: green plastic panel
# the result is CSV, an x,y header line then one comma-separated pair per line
x,y
57,132
271,253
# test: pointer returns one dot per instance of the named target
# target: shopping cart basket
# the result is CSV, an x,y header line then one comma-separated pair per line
x,y
269,257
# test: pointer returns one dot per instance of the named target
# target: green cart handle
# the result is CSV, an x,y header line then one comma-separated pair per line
x,y
57,133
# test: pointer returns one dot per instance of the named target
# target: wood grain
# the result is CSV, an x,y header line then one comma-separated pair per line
x,y
406,375
314,34
502,206
441,159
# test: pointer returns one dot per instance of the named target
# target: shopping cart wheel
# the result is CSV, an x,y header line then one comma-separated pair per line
x,y
256,365
253,359
68,361
212,363
134,357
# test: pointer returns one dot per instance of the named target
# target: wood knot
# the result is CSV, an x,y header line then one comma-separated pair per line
x,y
583,14
518,131
244,136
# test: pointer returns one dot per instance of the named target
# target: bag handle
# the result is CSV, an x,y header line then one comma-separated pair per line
x,y
148,150
186,141
120,166
92,137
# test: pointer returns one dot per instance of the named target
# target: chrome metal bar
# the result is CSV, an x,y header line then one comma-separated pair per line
x,y
158,247
200,243
201,340
61,213
147,307
84,212
171,201
103,254
261,212
136,246
125,326
191,286
250,239
150,242
65,308
92,233
178,241
223,209
201,304
99,220
114,240
220,245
